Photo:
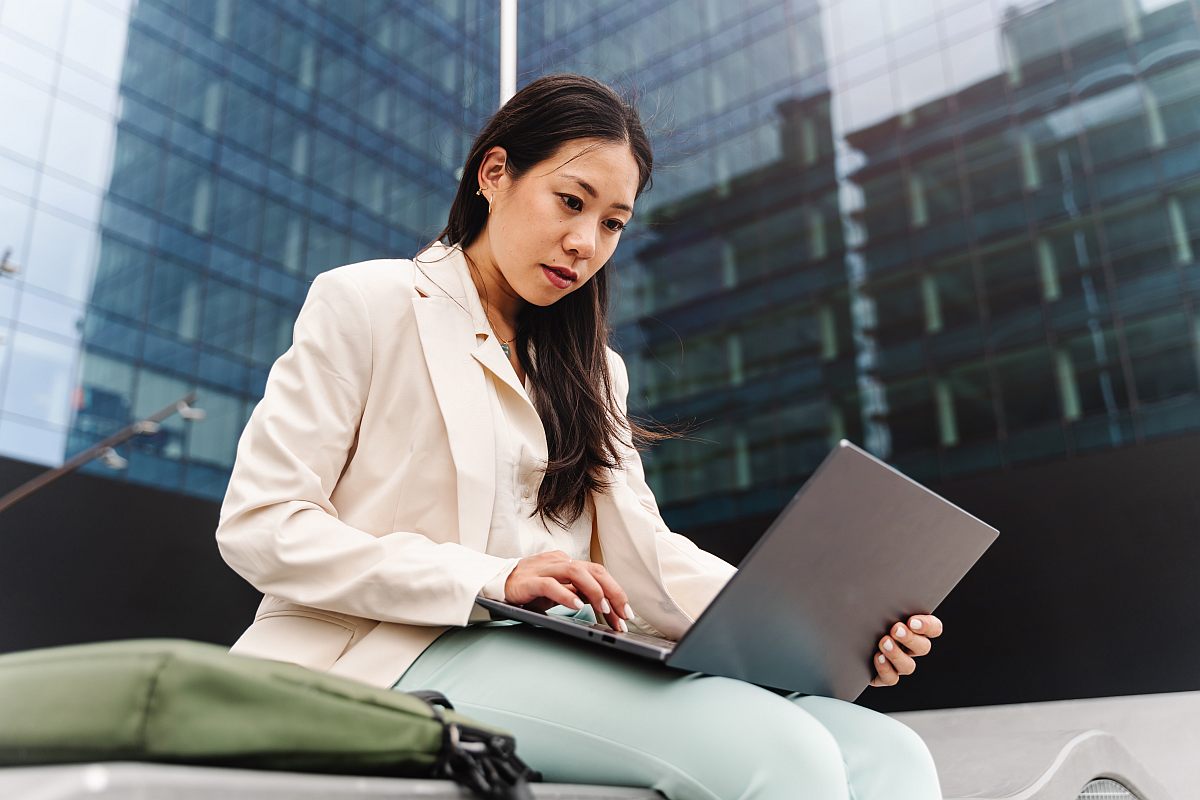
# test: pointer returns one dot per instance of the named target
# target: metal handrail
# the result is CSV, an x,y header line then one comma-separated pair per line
x,y
148,426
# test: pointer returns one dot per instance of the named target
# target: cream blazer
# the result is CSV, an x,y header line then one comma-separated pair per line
x,y
361,495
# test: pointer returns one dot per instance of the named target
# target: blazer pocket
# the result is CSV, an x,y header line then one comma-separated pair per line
x,y
323,616
273,606
309,638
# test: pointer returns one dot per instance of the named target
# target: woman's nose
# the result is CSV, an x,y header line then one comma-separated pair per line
x,y
581,242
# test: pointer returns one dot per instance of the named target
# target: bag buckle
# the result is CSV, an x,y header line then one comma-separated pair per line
x,y
484,762
488,764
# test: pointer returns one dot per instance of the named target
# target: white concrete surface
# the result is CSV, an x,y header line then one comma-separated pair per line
x,y
1160,731
133,781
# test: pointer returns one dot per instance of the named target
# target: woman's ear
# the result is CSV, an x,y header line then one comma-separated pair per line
x,y
492,169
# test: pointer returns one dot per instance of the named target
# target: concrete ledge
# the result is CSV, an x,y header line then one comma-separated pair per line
x,y
136,781
1033,751
1043,766
1051,750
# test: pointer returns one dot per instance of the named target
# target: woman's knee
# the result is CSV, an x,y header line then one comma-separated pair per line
x,y
770,748
903,747
869,737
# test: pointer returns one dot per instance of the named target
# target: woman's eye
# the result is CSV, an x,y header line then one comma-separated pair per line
x,y
616,227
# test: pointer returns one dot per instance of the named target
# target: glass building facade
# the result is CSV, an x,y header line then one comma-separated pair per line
x,y
959,232
734,304
1028,240
172,176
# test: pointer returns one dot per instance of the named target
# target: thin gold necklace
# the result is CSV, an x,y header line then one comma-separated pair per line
x,y
504,343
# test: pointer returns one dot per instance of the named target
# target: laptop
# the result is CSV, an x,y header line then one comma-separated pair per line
x,y
859,547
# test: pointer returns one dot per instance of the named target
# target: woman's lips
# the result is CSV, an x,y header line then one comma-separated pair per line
x,y
559,281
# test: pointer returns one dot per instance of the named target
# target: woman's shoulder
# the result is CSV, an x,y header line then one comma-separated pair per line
x,y
617,370
386,275
382,287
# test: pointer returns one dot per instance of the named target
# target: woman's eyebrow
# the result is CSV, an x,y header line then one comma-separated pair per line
x,y
587,187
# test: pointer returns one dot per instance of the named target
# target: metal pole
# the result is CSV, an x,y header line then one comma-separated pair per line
x,y
147,425
508,49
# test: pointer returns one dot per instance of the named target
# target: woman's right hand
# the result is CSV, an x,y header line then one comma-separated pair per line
x,y
555,579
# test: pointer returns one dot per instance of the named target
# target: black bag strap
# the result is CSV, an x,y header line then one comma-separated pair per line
x,y
482,761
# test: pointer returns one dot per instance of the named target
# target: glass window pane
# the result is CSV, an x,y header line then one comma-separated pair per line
x,y
974,414
237,215
51,315
39,379
40,21
105,400
214,440
96,38
23,133
149,68
226,322
1024,378
61,256
154,392
175,300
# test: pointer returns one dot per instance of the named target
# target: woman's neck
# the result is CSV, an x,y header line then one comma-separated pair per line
x,y
498,299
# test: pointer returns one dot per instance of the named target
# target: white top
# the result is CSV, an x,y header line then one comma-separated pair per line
x,y
514,534
519,458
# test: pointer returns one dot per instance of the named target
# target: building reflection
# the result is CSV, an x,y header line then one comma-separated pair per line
x,y
256,146
748,330
1028,244
998,275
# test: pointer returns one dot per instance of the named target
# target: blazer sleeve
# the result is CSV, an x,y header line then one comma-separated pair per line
x,y
278,528
692,576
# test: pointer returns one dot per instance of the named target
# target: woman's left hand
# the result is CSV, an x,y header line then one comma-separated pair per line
x,y
905,642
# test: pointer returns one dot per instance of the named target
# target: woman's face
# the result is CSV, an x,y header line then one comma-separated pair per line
x,y
566,212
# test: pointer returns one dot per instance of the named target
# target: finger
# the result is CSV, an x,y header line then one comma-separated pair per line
x,y
550,588
885,674
613,596
926,625
594,592
913,643
612,590
915,646
901,661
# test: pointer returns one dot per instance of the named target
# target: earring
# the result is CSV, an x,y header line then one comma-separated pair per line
x,y
479,192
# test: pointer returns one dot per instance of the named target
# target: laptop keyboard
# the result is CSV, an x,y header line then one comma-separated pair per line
x,y
657,641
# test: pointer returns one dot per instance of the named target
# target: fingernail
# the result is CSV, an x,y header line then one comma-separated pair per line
x,y
604,606
621,624
887,644
577,603
880,659
628,612
915,624
900,632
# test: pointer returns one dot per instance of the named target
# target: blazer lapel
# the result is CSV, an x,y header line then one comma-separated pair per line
x,y
448,334
489,354
524,415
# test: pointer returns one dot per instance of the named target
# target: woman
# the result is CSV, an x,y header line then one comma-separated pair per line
x,y
444,427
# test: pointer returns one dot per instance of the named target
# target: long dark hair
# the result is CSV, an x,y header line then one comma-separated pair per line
x,y
572,386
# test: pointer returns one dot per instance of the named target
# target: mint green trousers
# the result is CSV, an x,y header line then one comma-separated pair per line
x,y
583,714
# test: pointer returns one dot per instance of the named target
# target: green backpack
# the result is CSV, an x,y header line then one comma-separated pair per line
x,y
184,702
